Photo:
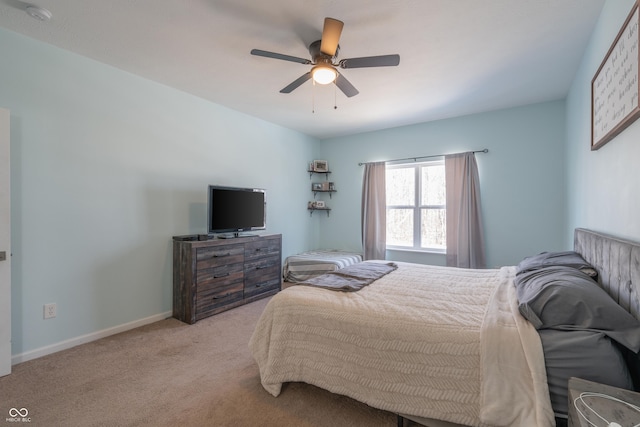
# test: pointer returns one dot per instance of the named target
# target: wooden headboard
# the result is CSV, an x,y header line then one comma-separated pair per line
x,y
618,264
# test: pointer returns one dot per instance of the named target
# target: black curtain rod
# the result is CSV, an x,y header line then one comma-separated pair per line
x,y
415,159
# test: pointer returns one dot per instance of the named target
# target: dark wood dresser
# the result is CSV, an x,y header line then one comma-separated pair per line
x,y
211,276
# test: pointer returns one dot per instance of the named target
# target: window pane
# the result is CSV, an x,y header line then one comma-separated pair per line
x,y
433,185
433,225
400,227
400,183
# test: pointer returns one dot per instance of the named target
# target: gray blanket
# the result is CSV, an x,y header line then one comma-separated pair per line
x,y
352,278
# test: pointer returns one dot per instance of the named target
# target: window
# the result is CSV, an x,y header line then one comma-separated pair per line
x,y
416,206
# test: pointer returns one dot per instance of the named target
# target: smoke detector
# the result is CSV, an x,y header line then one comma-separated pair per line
x,y
39,13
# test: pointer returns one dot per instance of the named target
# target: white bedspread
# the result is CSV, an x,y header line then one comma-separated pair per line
x,y
423,340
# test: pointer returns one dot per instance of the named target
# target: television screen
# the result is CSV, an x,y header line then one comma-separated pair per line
x,y
232,209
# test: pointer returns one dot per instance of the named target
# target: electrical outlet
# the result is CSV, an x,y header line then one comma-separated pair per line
x,y
50,310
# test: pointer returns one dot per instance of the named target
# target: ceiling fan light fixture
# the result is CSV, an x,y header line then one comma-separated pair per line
x,y
324,54
323,74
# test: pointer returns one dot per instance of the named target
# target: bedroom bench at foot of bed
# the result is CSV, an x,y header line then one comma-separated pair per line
x,y
306,265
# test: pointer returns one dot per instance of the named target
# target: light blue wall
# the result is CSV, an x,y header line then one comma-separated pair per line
x,y
522,177
106,167
603,186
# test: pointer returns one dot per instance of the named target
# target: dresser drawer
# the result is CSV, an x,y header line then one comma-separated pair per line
x,y
221,275
261,248
261,287
219,255
267,266
262,275
220,296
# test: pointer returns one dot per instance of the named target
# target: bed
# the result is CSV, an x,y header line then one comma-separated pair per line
x,y
304,266
454,349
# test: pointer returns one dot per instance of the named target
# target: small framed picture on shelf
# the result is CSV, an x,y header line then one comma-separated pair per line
x,y
327,186
319,204
316,186
320,166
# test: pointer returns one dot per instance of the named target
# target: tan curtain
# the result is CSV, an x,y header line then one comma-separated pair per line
x,y
465,236
374,211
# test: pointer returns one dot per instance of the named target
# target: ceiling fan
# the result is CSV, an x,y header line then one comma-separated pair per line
x,y
323,56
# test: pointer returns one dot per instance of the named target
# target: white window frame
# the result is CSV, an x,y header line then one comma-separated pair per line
x,y
416,207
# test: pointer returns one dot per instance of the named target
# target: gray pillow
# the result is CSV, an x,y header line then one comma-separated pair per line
x,y
582,354
564,298
548,259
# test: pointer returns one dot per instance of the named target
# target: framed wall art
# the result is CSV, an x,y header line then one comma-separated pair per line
x,y
320,166
614,87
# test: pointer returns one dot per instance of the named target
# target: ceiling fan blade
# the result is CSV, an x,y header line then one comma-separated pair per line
x,y
331,36
294,85
345,86
371,61
274,55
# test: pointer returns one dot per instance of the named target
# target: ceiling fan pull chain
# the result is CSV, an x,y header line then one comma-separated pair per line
x,y
335,96
313,97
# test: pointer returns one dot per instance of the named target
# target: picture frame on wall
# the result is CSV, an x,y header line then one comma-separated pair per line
x,y
320,166
614,87
316,186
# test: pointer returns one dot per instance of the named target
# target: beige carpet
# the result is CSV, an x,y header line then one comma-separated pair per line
x,y
171,374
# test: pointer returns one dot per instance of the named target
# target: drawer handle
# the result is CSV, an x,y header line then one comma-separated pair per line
x,y
222,275
223,296
222,255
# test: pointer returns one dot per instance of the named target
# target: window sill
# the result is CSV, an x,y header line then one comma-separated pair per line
x,y
422,251
416,256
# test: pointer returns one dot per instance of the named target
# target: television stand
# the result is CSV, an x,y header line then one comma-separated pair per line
x,y
211,276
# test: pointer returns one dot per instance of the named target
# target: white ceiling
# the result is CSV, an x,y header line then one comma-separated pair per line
x,y
457,57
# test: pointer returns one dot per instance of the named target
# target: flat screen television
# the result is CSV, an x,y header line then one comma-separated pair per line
x,y
234,210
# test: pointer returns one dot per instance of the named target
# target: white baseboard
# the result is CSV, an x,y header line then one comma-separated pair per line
x,y
83,339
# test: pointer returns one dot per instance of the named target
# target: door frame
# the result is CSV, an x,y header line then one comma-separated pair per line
x,y
5,242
